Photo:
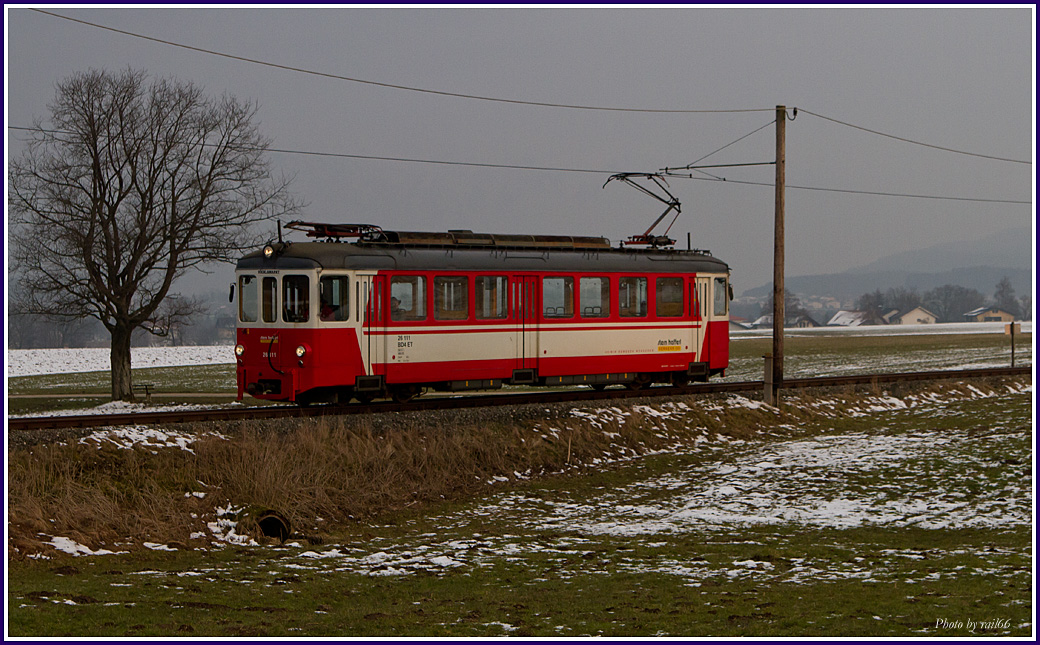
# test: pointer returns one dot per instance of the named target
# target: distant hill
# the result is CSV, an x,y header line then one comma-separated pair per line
x,y
976,264
1011,248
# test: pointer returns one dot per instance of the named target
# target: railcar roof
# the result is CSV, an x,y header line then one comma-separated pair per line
x,y
342,255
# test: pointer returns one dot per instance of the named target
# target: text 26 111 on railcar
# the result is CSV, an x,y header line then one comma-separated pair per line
x,y
359,312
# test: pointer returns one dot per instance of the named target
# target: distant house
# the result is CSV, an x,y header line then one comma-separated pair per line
x,y
846,318
799,321
988,314
916,316
890,317
802,321
736,323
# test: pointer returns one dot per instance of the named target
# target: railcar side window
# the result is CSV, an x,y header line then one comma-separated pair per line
x,y
334,298
595,297
490,297
408,297
295,301
721,296
669,297
632,297
269,293
558,296
450,297
248,307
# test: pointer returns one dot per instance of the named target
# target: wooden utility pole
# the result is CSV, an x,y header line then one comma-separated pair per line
x,y
778,260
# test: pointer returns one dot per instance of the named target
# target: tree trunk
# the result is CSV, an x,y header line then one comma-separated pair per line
x,y
122,382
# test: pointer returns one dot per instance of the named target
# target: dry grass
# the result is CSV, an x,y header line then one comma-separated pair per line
x,y
98,495
339,469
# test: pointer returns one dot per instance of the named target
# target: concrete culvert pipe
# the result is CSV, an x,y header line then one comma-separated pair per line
x,y
274,525
264,522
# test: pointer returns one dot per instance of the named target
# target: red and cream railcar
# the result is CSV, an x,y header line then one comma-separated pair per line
x,y
393,313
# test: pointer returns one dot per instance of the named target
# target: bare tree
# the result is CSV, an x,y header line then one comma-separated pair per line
x,y
131,185
1004,298
871,303
793,306
902,299
950,302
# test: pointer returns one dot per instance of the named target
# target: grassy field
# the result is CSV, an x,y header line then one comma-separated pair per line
x,y
854,513
815,355
921,581
188,379
818,355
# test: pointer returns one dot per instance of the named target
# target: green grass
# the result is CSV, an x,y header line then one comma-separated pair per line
x,y
194,378
808,355
81,390
605,587
819,355
492,566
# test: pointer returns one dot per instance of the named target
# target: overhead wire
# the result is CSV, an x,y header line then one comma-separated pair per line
x,y
917,143
738,140
859,192
343,155
504,100
393,85
601,171
516,101
690,166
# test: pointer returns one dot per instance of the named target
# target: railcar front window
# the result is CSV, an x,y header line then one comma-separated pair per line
x,y
248,307
490,297
334,296
669,297
451,298
269,293
632,297
595,297
296,303
408,297
721,296
558,296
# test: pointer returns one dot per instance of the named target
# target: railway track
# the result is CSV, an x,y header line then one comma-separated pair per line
x,y
442,403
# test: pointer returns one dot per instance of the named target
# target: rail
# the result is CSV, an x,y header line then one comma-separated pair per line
x,y
443,403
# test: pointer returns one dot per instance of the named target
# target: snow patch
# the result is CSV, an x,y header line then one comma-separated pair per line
x,y
128,438
30,362
67,545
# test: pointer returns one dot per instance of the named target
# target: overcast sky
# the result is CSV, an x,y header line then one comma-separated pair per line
x,y
957,78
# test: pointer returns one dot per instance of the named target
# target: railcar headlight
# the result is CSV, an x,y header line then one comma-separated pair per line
x,y
239,350
301,351
268,251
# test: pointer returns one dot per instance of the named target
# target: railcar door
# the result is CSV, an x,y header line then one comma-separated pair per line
x,y
371,296
524,306
700,290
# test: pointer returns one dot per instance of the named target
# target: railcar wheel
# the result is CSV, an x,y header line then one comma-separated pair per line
x,y
343,395
599,387
641,381
404,394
